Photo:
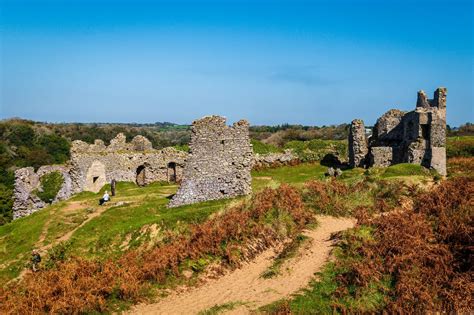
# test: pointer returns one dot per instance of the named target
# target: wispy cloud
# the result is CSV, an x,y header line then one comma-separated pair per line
x,y
309,75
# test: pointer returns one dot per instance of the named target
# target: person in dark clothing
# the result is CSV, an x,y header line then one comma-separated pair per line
x,y
35,260
112,187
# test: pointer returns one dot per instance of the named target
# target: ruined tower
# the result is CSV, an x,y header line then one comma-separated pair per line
x,y
417,137
358,148
219,162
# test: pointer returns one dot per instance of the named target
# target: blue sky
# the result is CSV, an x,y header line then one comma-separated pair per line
x,y
271,62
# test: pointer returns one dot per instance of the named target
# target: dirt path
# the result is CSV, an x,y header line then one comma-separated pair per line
x,y
245,285
74,206
44,248
70,207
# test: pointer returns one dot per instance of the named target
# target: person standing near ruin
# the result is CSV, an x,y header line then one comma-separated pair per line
x,y
35,260
112,187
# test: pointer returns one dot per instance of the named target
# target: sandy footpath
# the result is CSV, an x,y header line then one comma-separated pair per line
x,y
245,285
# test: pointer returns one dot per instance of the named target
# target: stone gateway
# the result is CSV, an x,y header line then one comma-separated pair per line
x,y
219,162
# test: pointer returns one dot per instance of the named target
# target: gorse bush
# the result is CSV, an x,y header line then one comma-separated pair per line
x,y
50,185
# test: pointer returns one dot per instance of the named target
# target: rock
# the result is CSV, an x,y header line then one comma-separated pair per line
x,y
274,159
330,172
337,172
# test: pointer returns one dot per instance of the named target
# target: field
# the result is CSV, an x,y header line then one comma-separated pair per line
x,y
136,226
135,249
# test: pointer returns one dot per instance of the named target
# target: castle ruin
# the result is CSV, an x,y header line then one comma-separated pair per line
x,y
417,137
219,162
93,165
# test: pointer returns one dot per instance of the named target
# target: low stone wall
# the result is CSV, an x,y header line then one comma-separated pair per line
x,y
271,160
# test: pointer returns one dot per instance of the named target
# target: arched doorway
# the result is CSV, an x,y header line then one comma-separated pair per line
x,y
141,176
172,172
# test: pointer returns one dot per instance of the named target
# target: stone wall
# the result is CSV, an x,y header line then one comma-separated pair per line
x,y
417,137
94,165
269,160
25,202
219,162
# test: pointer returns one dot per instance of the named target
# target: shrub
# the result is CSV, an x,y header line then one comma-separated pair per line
x,y
425,251
460,146
80,286
263,148
316,149
50,185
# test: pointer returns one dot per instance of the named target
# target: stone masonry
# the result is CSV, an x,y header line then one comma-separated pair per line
x,y
417,137
219,162
358,147
94,165
27,180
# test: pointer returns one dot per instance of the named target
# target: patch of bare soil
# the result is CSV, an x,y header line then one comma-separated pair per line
x,y
71,207
247,287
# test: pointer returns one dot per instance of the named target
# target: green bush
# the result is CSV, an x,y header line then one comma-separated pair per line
x,y
316,149
56,146
460,146
51,184
6,204
263,148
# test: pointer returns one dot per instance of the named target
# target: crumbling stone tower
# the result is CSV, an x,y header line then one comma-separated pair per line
x,y
219,162
417,137
358,148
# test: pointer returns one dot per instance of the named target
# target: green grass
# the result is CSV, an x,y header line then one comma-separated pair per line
x,y
460,146
320,297
263,148
17,240
316,149
404,169
144,209
295,175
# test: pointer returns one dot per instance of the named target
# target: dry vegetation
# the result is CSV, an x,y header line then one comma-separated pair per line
x,y
77,285
409,260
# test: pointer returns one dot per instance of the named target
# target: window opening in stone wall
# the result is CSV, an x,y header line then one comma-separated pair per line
x,y
425,132
172,172
94,179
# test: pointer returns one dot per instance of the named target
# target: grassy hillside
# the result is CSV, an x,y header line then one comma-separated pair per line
x,y
137,218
